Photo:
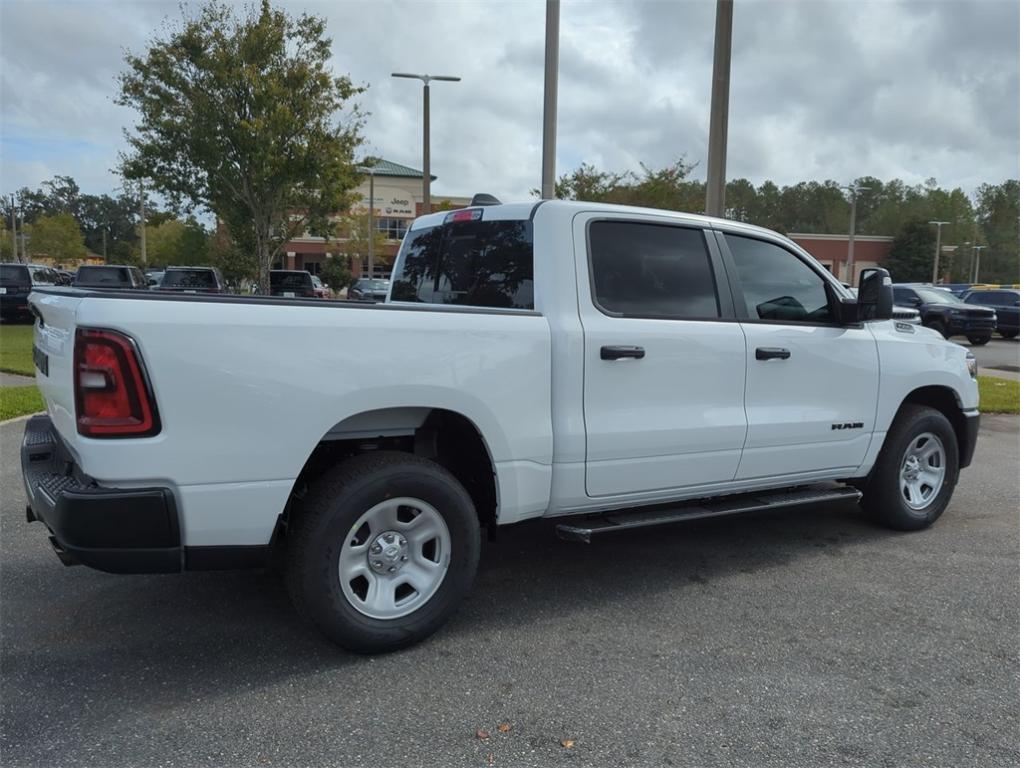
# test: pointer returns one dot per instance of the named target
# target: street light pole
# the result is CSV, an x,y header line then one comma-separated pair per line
x,y
14,229
141,213
977,261
938,250
552,66
715,189
426,170
853,189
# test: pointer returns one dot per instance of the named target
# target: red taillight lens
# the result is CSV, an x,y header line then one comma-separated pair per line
x,y
110,391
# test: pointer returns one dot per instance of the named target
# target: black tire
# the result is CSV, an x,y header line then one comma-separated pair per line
x,y
979,341
332,506
937,325
1008,334
883,497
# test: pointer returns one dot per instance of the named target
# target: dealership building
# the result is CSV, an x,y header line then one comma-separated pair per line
x,y
394,191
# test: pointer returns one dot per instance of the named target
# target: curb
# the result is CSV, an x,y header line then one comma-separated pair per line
x,y
16,419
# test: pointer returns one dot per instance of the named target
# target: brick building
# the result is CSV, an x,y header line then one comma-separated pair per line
x,y
831,251
396,196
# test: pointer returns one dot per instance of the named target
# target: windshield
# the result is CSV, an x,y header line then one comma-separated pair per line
x,y
935,296
374,285
189,278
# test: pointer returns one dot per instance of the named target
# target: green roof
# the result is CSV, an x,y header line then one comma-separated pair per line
x,y
387,168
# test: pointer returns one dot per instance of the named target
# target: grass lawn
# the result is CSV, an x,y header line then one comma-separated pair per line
x,y
16,349
999,395
19,401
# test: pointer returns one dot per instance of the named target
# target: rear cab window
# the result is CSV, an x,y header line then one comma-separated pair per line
x,y
280,279
116,277
14,274
467,261
189,278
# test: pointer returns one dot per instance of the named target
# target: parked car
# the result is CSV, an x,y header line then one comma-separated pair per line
x,y
192,280
944,312
154,276
322,290
607,366
291,283
1005,302
19,280
900,313
369,289
110,276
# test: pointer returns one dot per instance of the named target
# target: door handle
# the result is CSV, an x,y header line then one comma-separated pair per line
x,y
617,353
770,353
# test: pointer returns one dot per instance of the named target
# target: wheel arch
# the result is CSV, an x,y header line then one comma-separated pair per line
x,y
943,399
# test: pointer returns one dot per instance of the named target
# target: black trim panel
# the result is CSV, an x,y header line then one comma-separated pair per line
x,y
971,425
226,558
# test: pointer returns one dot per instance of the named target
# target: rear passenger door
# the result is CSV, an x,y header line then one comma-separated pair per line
x,y
812,383
663,359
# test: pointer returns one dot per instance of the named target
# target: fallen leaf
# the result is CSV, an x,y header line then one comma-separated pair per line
x,y
491,759
504,727
481,735
567,743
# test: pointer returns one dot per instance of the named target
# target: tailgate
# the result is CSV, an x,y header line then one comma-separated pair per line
x,y
54,354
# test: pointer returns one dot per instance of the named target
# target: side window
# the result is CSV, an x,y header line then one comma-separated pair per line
x,y
651,270
777,284
903,296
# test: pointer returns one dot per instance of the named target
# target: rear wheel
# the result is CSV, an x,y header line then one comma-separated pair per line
x,y
382,550
916,471
937,325
1008,334
981,340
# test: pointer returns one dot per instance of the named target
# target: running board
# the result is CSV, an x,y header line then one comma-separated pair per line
x,y
623,520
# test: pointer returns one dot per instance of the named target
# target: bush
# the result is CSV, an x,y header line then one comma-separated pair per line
x,y
336,274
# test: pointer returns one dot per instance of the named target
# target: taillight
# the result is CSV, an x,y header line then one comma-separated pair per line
x,y
111,394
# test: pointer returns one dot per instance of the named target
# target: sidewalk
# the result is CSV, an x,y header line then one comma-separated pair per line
x,y
14,380
999,374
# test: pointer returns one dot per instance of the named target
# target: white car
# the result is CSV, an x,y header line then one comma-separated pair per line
x,y
607,366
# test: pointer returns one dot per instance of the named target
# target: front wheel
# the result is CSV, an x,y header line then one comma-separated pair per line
x,y
1008,334
979,341
382,550
937,325
916,471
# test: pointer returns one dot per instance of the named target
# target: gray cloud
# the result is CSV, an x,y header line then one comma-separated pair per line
x,y
819,90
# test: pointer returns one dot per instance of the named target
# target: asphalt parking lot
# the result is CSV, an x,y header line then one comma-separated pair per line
x,y
999,357
800,638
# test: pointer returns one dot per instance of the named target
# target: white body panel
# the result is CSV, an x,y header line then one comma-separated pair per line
x,y
247,389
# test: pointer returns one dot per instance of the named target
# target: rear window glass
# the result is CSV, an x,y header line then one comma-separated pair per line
x,y
470,263
13,274
286,279
189,278
102,276
44,277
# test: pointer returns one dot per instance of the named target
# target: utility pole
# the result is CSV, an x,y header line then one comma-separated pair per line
x,y
371,223
715,189
938,250
24,239
106,260
14,230
977,261
141,212
854,189
552,68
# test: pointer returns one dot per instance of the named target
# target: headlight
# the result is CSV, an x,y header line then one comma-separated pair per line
x,y
972,365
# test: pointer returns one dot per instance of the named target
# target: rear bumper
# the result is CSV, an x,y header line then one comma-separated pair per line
x,y
115,530
14,305
971,424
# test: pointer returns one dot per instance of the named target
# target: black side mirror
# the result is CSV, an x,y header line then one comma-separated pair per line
x,y
875,295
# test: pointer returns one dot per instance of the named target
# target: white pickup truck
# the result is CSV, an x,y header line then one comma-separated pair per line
x,y
611,367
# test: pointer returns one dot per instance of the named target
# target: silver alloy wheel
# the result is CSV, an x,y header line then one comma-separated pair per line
x,y
923,471
394,558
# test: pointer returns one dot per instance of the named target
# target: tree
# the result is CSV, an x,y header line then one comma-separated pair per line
x,y
238,116
352,238
912,254
336,273
178,243
57,237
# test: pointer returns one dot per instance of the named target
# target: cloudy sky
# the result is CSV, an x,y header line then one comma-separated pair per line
x,y
819,89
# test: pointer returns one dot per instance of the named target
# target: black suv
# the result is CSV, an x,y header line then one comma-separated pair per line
x,y
1005,302
192,280
16,282
943,312
110,276
291,283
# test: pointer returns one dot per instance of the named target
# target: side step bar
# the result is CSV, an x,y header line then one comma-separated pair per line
x,y
584,528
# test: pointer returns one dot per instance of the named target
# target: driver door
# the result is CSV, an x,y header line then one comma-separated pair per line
x,y
812,383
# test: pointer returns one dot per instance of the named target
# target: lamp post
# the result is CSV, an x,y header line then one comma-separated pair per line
x,y
853,189
938,250
977,260
715,188
370,170
427,184
552,66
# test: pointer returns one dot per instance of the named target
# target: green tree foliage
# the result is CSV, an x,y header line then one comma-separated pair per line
x,y
239,115
57,237
352,238
913,250
336,273
176,242
998,214
236,262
